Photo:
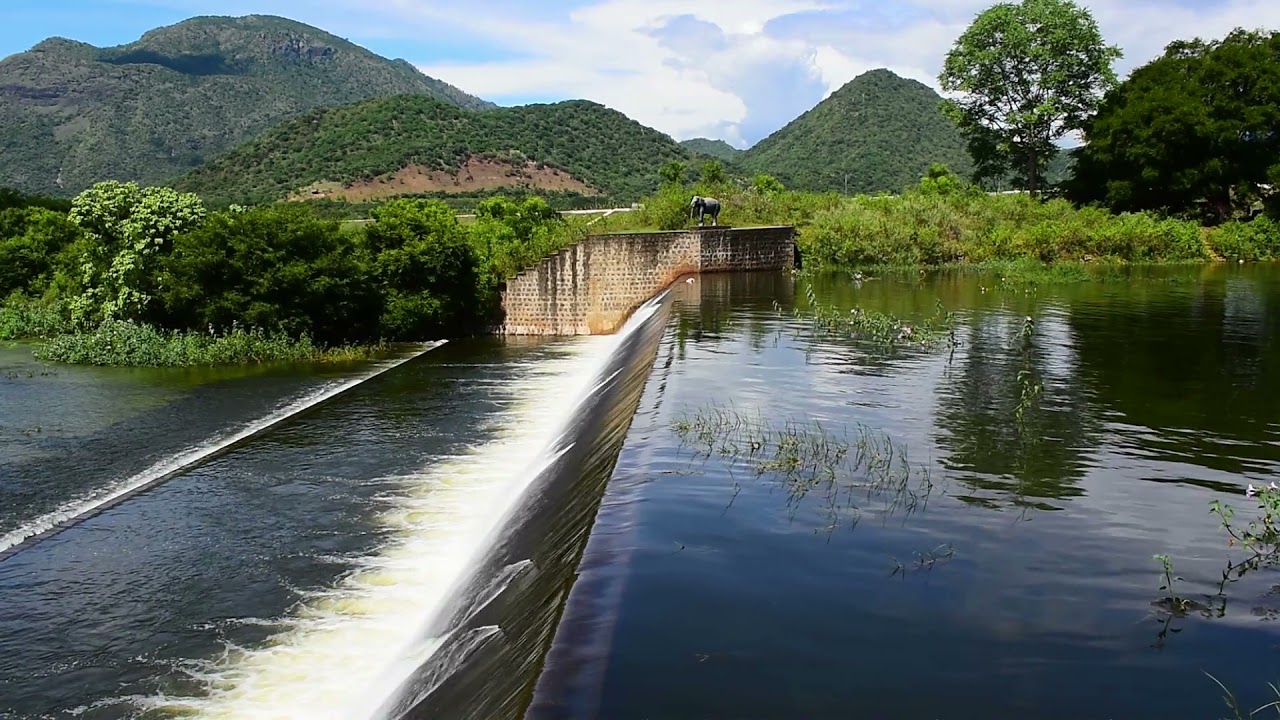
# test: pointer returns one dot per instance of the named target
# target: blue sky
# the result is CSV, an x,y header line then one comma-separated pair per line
x,y
688,69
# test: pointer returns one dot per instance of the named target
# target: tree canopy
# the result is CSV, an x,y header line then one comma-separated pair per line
x,y
1200,124
1025,75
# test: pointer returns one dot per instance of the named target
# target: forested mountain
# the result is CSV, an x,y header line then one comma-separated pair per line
x,y
412,143
718,149
878,132
74,114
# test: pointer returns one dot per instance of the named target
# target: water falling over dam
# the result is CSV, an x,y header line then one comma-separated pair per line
x,y
497,623
452,614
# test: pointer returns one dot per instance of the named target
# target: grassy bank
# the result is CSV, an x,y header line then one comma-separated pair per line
x,y
147,276
922,229
124,343
941,224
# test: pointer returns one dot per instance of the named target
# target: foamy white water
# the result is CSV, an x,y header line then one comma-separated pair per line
x,y
343,651
90,503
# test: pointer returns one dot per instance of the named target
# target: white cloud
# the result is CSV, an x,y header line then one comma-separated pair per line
x,y
737,70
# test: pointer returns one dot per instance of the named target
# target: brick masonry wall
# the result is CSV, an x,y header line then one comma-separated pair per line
x,y
592,287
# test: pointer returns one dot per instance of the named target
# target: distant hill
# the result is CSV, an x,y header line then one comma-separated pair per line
x,y
74,114
415,144
718,149
880,132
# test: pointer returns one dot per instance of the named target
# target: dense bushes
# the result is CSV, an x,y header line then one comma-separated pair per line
x,y
31,239
147,276
945,220
280,269
426,267
917,229
933,229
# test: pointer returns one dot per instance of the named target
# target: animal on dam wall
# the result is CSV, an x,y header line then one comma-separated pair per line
x,y
701,206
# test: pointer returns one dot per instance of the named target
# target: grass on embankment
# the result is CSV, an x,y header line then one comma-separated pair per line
x,y
960,227
937,230
122,343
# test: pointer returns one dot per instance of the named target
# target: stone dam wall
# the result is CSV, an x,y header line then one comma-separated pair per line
x,y
592,287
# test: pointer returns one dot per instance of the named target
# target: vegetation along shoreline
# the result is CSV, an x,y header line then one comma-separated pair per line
x,y
246,257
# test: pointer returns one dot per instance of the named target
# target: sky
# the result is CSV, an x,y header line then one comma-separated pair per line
x,y
689,69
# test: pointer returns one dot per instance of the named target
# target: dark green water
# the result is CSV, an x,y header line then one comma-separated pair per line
x,y
1007,571
708,590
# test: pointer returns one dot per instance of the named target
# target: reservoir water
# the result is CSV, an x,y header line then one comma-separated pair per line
x,y
722,512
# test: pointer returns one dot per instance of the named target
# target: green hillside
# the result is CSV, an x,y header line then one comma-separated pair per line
x,y
879,131
718,149
149,111
406,143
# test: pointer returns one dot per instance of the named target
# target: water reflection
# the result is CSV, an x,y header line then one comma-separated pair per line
x,y
1040,454
1137,401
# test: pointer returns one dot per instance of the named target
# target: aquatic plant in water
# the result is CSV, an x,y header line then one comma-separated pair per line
x,y
1260,538
877,327
1030,386
806,457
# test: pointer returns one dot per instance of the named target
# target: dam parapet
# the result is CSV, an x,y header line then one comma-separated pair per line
x,y
592,287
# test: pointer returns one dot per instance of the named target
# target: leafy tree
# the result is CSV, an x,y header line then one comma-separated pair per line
x,y
939,180
1027,73
522,217
126,228
767,184
31,239
713,172
427,268
1199,124
278,269
673,173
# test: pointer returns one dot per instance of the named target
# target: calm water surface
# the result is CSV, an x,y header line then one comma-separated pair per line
x,y
1003,570
1010,576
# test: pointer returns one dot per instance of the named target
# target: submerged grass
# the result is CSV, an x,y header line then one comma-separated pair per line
x,y
879,328
121,343
805,457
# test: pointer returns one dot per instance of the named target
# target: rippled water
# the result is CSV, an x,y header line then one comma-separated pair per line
x,y
999,573
263,581
1012,576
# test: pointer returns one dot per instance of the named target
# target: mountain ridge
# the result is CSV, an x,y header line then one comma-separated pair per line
x,y
388,144
878,132
181,94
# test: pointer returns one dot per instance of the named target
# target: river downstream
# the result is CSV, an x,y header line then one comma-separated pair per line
x,y
437,504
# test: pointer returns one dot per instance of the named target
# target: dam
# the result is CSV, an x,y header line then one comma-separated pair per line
x,y
690,500
447,596
591,287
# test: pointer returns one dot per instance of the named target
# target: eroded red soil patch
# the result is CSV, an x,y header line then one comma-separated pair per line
x,y
476,175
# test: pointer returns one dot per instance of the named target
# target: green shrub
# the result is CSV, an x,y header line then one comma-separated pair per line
x,y
119,342
24,319
1258,239
941,226
31,240
511,236
279,268
426,267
